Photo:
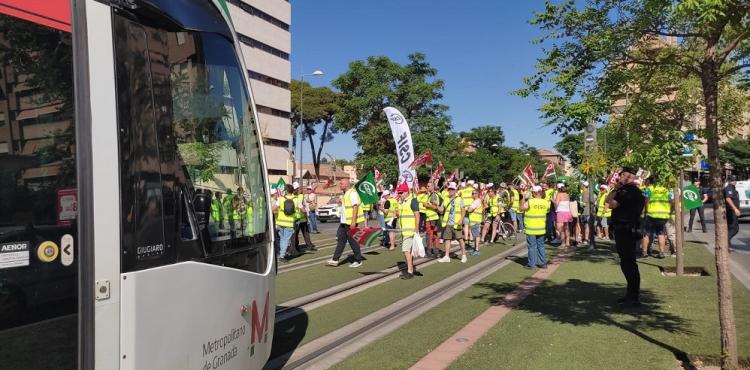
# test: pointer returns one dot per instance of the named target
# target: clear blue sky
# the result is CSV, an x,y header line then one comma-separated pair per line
x,y
481,49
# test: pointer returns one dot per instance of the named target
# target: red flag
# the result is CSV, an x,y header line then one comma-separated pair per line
x,y
528,175
613,177
453,176
438,172
378,175
329,183
549,170
425,157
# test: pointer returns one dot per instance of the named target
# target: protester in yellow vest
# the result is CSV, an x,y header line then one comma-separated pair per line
x,y
408,220
284,209
516,215
659,205
492,200
465,194
429,208
300,217
535,225
603,213
476,214
452,222
351,216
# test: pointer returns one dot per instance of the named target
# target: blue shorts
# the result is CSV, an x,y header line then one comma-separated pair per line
x,y
475,231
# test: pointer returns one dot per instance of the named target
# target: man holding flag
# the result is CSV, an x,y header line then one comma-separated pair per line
x,y
350,218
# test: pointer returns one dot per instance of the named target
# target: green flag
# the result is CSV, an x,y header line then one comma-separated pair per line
x,y
368,193
281,185
692,197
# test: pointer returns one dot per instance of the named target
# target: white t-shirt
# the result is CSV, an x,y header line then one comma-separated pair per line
x,y
354,198
477,203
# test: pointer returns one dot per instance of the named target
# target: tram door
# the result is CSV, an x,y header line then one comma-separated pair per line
x,y
38,192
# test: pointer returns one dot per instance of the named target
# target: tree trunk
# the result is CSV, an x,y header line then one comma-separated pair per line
x,y
709,80
679,229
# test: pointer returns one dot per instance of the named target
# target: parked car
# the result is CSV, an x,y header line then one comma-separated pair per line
x,y
329,212
743,190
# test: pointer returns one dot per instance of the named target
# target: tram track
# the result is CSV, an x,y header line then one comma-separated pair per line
x,y
335,346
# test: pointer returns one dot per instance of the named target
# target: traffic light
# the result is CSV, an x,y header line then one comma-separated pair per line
x,y
589,136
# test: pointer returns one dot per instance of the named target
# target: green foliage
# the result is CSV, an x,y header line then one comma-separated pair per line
x,y
319,107
490,138
202,159
737,153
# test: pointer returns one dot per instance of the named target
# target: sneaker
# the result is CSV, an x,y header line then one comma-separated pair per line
x,y
475,253
282,260
312,248
332,263
543,267
444,259
355,264
464,259
406,275
643,255
417,273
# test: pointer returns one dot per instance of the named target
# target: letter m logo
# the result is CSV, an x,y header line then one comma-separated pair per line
x,y
260,324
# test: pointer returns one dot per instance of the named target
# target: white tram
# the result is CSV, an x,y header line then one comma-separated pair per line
x,y
135,228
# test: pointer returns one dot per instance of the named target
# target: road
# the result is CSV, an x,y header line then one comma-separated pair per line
x,y
740,253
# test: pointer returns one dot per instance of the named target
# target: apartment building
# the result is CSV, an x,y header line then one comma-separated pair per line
x,y
263,29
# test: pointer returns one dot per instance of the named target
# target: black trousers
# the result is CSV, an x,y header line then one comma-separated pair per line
x,y
626,242
305,228
342,236
733,223
551,231
700,215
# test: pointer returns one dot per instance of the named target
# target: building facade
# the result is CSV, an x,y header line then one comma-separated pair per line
x,y
263,29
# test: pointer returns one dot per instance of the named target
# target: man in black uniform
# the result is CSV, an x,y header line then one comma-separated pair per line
x,y
732,200
626,202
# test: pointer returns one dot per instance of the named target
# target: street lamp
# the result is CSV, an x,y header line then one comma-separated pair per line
x,y
316,73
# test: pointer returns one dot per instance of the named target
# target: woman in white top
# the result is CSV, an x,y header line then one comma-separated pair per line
x,y
564,217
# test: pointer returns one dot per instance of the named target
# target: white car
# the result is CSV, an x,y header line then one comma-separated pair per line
x,y
328,212
743,190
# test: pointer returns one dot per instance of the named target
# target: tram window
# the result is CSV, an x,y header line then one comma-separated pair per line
x,y
207,144
38,198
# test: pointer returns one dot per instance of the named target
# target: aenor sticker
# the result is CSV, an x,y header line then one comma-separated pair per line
x,y
14,254
67,250
47,251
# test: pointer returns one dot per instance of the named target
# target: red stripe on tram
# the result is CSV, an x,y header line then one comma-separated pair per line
x,y
51,13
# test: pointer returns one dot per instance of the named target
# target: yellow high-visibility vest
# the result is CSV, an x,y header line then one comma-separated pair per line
x,y
515,204
466,195
658,202
217,211
475,216
600,206
298,199
535,218
457,204
494,205
406,219
282,219
349,209
430,214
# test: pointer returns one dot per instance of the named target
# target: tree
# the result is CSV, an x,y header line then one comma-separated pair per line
x,y
589,52
737,153
490,138
318,111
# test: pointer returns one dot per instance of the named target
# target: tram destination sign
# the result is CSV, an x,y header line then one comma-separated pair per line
x,y
14,254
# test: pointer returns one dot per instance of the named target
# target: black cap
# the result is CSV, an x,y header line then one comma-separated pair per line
x,y
628,170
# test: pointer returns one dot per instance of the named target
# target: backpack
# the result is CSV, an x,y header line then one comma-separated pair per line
x,y
387,204
288,207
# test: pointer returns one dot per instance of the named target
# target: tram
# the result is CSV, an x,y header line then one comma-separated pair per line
x,y
134,212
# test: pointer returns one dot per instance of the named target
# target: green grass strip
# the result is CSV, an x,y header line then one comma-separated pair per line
x,y
405,346
323,320
572,322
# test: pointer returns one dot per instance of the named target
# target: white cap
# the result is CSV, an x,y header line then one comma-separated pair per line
x,y
603,186
390,186
452,185
536,188
476,186
295,185
585,183
386,192
470,182
560,185
490,185
463,183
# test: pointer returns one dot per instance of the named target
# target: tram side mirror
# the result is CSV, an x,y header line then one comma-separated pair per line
x,y
202,207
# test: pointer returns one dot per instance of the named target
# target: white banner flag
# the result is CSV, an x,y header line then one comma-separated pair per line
x,y
404,145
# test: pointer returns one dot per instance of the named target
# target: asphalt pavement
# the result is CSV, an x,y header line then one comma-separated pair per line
x,y
739,255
